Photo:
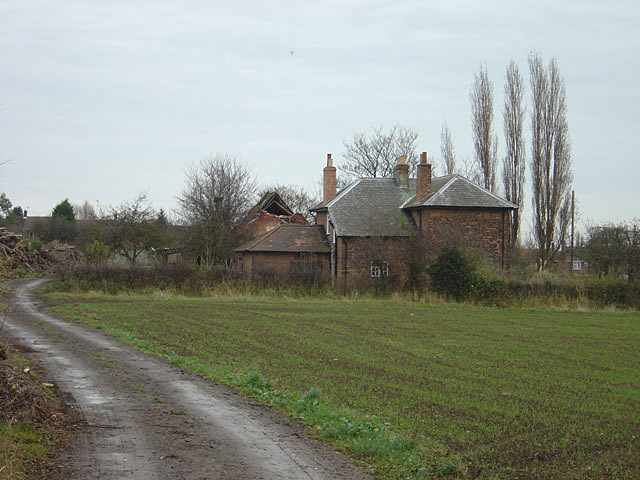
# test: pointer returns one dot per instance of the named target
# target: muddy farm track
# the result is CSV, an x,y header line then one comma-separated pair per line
x,y
145,419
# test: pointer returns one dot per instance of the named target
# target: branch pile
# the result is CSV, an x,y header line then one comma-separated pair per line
x,y
31,260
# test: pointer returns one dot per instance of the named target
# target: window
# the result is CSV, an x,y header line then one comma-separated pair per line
x,y
379,269
577,265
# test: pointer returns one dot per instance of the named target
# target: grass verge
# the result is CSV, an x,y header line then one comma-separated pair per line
x,y
417,390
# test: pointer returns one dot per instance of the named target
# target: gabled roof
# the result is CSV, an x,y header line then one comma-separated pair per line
x,y
271,202
380,207
290,238
457,191
371,207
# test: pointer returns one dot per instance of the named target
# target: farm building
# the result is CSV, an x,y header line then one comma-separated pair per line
x,y
367,229
369,223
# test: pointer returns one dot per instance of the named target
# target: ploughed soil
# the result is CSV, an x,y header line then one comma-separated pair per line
x,y
142,418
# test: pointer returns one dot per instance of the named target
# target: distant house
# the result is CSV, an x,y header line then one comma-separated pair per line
x,y
369,223
576,265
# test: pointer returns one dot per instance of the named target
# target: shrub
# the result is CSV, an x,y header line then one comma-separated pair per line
x,y
97,252
452,274
486,290
33,244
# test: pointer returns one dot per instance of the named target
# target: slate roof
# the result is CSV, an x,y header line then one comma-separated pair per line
x,y
371,207
457,191
290,238
379,207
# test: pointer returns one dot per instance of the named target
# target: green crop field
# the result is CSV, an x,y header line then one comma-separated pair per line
x,y
417,391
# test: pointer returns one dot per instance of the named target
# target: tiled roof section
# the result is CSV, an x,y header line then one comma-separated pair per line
x,y
290,238
371,207
457,191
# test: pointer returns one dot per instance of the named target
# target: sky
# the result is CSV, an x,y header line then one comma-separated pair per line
x,y
100,101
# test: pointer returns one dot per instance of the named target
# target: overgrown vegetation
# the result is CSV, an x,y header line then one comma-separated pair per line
x,y
34,423
461,275
418,390
613,249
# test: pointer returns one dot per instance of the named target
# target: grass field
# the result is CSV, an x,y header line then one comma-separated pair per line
x,y
418,391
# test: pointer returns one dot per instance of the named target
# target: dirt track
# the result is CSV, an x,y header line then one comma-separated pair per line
x,y
148,420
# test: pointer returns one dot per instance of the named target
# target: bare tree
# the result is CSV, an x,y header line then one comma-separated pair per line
x,y
614,248
86,211
484,140
550,159
218,192
514,161
447,150
131,228
376,155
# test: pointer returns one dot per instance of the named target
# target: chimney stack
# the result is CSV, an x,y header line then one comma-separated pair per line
x,y
423,184
329,180
402,172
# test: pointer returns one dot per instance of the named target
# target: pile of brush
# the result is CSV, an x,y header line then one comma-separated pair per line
x,y
29,256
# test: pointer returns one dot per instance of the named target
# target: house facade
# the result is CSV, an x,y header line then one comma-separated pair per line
x,y
376,225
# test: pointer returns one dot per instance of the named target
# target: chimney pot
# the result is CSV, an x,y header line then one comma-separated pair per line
x,y
329,160
402,172
423,157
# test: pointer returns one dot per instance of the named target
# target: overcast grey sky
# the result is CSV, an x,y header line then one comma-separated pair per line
x,y
102,99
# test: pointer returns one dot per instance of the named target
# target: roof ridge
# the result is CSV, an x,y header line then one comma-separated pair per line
x,y
495,196
342,193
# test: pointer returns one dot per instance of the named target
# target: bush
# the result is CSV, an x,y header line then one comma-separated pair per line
x,y
452,274
97,252
33,244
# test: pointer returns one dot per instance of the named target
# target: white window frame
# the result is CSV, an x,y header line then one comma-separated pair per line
x,y
577,265
379,269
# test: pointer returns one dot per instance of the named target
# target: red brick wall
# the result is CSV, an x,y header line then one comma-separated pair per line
x,y
483,229
263,222
279,262
354,255
321,219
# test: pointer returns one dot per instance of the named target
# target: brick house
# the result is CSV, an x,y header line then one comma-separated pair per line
x,y
370,224
286,249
